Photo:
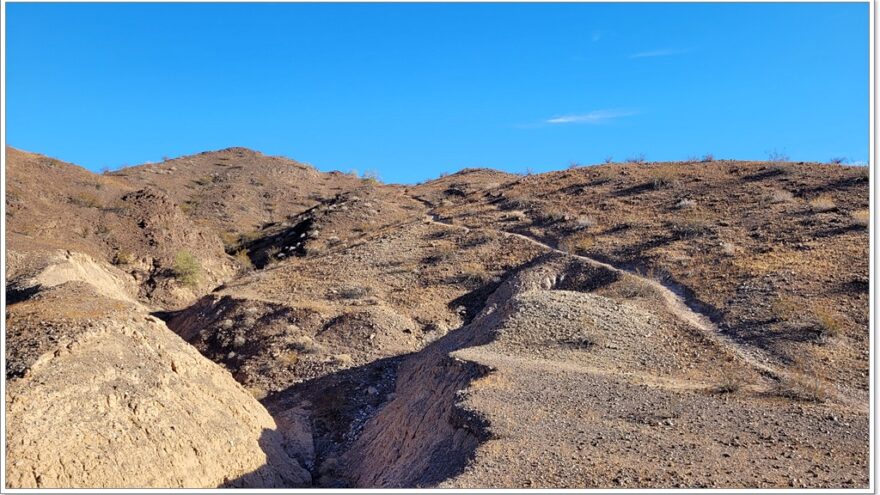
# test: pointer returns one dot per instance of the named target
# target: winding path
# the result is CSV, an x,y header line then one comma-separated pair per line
x,y
675,304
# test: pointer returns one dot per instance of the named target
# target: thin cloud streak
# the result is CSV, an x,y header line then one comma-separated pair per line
x,y
666,52
594,117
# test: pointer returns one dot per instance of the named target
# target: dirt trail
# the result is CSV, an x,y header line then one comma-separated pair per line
x,y
674,302
677,306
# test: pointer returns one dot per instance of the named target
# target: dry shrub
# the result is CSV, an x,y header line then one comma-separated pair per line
x,y
729,382
442,253
551,214
229,238
662,178
685,203
241,256
305,344
123,257
830,324
780,196
288,359
86,200
803,385
257,392
583,222
515,216
639,158
861,218
694,223
822,204
342,360
354,292
785,308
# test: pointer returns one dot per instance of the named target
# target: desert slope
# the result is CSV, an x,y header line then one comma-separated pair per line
x,y
623,325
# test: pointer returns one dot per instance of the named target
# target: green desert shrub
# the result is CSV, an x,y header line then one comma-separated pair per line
x,y
187,268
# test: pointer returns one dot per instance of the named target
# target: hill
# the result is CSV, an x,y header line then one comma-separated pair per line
x,y
624,325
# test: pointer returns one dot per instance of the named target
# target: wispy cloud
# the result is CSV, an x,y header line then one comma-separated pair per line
x,y
664,52
594,117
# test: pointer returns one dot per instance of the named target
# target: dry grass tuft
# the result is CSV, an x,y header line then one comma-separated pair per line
x,y
822,204
862,218
803,385
780,196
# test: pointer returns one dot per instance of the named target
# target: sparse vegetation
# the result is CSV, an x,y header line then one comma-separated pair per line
x,y
371,176
584,222
662,178
86,200
862,218
729,382
243,259
305,344
640,158
780,196
830,324
684,203
838,160
777,156
342,360
822,204
803,385
354,292
123,257
187,268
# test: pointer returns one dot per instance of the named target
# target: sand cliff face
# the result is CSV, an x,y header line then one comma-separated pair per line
x,y
129,404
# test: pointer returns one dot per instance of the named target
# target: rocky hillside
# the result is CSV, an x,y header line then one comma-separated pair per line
x,y
235,319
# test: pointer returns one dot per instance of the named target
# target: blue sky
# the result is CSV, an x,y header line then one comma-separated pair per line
x,y
414,90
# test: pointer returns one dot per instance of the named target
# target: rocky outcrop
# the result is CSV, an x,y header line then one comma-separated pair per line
x,y
127,403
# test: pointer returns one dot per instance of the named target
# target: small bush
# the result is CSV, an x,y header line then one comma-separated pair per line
x,y
830,324
241,256
583,222
708,157
608,159
780,196
257,392
838,160
86,200
305,344
729,382
123,257
342,360
229,238
188,207
442,253
640,158
861,218
371,176
288,359
822,204
662,178
353,292
777,156
550,215
685,203
187,268
804,386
